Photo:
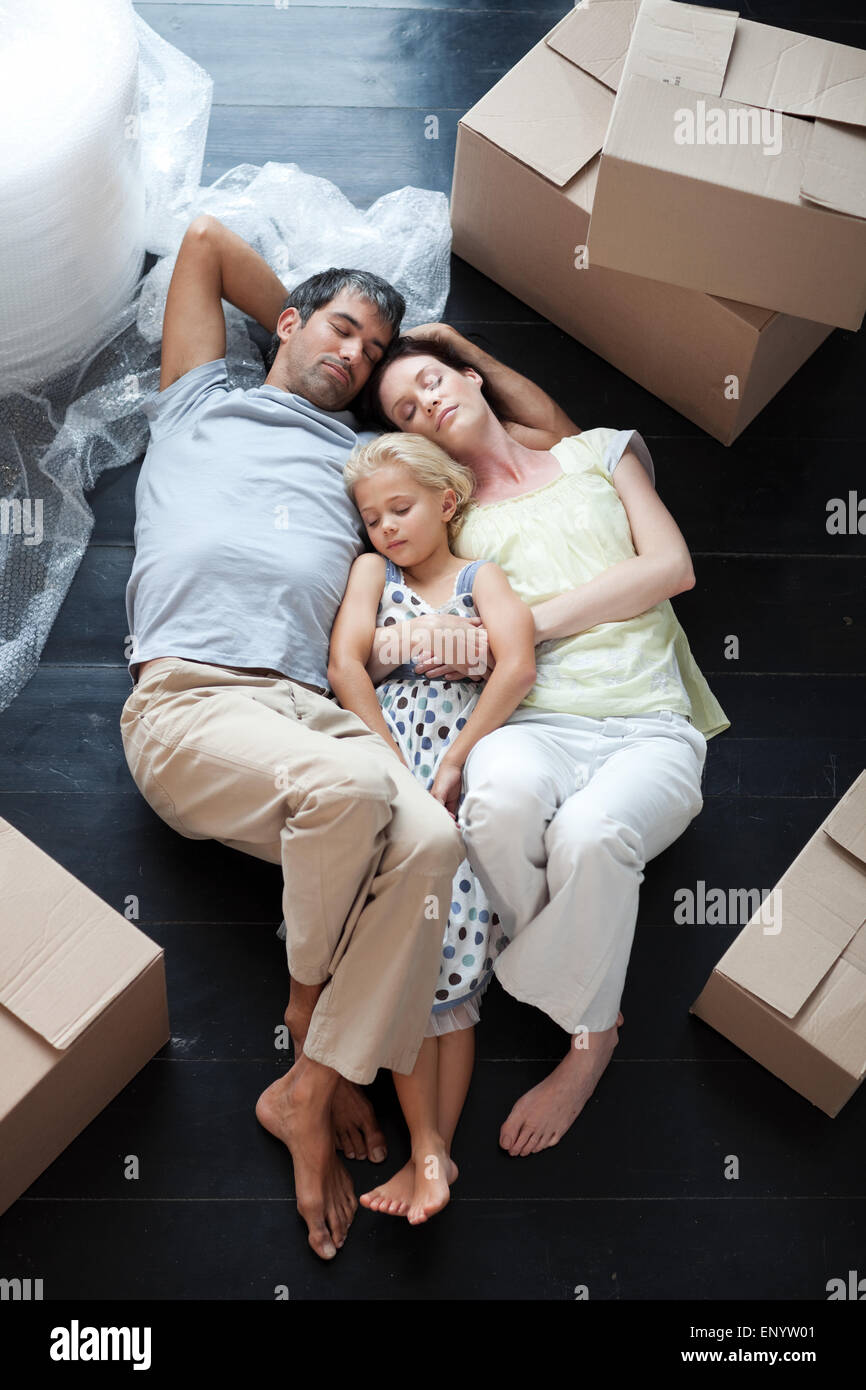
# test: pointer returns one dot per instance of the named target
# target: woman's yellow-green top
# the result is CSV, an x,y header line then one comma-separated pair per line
x,y
562,535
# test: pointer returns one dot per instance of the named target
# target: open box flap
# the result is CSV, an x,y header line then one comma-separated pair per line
x,y
819,908
64,953
690,46
714,53
547,113
802,76
835,172
681,45
595,37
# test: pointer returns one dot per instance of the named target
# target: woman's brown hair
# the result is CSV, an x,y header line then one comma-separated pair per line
x,y
369,400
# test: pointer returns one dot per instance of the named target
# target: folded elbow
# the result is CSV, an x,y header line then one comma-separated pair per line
x,y
528,676
335,673
681,576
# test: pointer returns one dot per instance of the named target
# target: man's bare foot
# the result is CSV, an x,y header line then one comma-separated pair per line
x,y
356,1130
292,1110
418,1190
543,1115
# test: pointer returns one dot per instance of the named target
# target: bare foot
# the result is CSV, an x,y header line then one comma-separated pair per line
x,y
543,1115
435,1171
291,1111
356,1130
393,1197
418,1190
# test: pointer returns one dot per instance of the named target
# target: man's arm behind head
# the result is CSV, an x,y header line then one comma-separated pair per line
x,y
213,264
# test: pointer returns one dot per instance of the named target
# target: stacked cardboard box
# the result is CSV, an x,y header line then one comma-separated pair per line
x,y
586,184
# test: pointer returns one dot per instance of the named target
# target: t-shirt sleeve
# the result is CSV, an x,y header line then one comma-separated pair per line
x,y
601,450
178,405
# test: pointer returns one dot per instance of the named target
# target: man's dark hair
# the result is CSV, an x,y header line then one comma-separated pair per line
x,y
369,406
317,291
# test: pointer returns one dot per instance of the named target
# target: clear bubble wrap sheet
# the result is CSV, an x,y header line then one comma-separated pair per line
x,y
110,169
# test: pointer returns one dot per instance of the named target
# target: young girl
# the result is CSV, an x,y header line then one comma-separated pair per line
x,y
412,498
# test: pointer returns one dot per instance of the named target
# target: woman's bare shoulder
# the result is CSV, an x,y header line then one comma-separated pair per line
x,y
542,440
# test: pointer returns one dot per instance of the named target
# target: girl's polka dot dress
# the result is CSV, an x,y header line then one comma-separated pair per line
x,y
424,718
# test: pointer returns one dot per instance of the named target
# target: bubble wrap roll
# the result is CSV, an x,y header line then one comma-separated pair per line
x,y
71,193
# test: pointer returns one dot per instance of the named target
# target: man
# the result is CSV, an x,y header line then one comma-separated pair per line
x,y
244,539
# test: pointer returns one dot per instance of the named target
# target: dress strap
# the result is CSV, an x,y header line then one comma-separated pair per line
x,y
392,574
466,577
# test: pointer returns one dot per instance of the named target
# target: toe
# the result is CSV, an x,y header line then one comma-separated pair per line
x,y
516,1134
524,1142
356,1138
338,1225
321,1240
374,1143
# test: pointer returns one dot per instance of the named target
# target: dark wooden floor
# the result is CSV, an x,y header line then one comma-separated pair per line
x,y
634,1203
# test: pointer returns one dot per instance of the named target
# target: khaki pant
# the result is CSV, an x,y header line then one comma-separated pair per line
x,y
266,766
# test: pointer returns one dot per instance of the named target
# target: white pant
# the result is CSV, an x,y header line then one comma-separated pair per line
x,y
561,814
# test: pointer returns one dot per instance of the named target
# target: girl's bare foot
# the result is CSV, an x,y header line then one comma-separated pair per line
x,y
418,1190
393,1197
435,1171
543,1115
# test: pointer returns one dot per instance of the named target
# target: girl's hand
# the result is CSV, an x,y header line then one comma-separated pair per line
x,y
446,785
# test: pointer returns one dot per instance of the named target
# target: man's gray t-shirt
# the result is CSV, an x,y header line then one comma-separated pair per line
x,y
244,533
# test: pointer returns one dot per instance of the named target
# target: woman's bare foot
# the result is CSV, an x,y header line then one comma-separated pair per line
x,y
297,1110
356,1130
418,1190
543,1115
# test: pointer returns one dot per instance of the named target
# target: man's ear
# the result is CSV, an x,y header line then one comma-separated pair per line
x,y
287,322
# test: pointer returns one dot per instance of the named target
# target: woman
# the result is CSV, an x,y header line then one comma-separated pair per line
x,y
599,769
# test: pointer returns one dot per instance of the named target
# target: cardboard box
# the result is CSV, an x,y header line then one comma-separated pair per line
x,y
82,1008
525,174
791,989
735,161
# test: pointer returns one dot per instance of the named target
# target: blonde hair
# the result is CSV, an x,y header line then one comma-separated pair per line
x,y
427,462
